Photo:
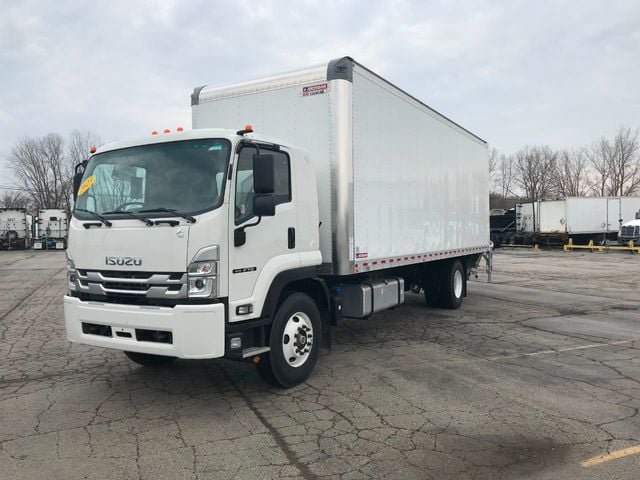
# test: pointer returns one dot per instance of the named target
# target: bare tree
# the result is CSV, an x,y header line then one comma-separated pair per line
x,y
13,199
570,177
534,172
616,164
79,144
506,176
625,164
43,168
40,169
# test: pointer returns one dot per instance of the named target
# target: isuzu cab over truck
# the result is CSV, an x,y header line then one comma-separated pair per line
x,y
248,244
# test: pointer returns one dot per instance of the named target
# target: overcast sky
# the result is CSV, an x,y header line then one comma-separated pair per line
x,y
561,73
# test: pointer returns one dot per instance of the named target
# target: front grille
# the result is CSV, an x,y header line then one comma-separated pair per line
x,y
629,231
136,287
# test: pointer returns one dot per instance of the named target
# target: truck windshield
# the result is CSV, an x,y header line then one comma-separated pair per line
x,y
185,176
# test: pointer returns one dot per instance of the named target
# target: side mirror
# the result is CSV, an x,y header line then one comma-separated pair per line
x,y
239,237
77,180
264,205
264,174
77,177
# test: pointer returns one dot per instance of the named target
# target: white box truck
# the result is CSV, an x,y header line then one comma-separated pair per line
x,y
581,218
52,229
15,233
248,244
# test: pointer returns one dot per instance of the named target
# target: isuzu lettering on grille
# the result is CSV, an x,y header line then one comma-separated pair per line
x,y
127,261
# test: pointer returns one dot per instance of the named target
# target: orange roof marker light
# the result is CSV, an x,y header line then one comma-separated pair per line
x,y
93,149
155,132
247,129
166,130
179,129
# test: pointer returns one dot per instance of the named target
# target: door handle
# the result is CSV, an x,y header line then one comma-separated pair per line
x,y
291,234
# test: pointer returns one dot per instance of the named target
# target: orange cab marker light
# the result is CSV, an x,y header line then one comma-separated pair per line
x,y
179,129
166,130
93,149
154,132
248,127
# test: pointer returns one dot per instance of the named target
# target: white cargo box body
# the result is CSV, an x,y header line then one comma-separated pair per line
x,y
579,215
552,216
52,223
397,182
14,220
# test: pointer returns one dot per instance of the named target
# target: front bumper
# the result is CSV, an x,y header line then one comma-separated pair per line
x,y
198,331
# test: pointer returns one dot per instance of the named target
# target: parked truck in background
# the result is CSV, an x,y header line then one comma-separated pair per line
x,y
51,227
15,231
553,222
248,244
630,231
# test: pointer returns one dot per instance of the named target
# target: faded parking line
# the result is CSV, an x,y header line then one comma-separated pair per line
x,y
607,457
560,350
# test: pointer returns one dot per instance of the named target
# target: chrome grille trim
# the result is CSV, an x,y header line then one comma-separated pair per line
x,y
149,285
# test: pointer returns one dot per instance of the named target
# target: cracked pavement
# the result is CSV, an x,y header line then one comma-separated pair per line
x,y
537,372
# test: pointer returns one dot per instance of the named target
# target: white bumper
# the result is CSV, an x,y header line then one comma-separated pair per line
x,y
198,330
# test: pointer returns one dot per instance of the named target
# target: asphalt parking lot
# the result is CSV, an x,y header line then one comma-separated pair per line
x,y
537,376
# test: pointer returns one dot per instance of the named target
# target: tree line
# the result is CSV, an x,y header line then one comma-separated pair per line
x,y
608,167
43,170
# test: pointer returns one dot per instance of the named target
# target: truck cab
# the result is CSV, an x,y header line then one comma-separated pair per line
x,y
630,231
177,239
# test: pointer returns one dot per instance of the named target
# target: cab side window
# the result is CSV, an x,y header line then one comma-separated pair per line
x,y
244,182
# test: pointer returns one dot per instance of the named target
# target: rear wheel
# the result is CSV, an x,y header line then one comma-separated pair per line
x,y
445,285
149,360
295,341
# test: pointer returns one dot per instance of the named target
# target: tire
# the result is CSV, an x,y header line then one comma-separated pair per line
x,y
297,321
495,238
446,285
149,360
432,286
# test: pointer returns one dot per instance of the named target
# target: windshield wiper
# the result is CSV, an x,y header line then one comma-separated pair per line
x,y
147,222
188,218
95,215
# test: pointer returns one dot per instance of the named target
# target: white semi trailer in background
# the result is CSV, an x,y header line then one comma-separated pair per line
x,y
579,218
229,243
15,230
52,228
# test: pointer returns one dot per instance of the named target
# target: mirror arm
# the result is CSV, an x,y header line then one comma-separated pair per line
x,y
239,236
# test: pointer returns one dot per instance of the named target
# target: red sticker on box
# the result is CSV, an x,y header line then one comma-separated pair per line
x,y
317,89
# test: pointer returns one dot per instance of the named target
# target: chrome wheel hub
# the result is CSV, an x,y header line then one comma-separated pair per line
x,y
297,339
457,284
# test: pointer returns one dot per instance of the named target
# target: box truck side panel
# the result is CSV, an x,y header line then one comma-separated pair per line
x,y
420,181
586,214
279,107
552,216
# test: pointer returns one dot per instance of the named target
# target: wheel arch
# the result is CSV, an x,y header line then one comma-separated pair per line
x,y
302,280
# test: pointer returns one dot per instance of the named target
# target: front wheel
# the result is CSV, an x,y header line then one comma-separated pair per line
x,y
149,360
296,334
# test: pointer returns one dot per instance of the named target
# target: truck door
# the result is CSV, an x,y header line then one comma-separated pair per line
x,y
269,245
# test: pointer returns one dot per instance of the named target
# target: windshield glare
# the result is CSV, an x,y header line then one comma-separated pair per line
x,y
187,176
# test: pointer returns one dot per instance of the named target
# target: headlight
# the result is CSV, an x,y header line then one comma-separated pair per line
x,y
202,287
203,268
203,282
71,275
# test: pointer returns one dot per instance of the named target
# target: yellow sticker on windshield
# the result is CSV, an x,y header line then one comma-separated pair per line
x,y
86,184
